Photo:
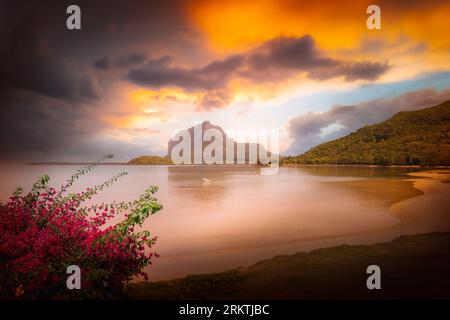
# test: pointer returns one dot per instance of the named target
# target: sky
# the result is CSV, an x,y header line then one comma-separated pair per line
x,y
138,71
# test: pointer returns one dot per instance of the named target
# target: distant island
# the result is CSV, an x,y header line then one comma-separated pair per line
x,y
408,138
244,158
144,160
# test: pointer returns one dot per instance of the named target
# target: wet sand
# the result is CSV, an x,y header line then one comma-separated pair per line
x,y
430,211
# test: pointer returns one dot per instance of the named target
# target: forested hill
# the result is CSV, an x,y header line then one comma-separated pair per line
x,y
408,138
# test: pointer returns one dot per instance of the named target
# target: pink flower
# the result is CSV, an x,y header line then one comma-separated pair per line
x,y
42,234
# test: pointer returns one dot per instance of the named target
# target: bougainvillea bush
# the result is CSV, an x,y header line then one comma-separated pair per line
x,y
46,230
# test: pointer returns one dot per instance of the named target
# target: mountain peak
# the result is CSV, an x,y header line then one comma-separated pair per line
x,y
206,125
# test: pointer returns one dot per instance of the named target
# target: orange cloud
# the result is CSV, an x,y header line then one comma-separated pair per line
x,y
234,25
412,40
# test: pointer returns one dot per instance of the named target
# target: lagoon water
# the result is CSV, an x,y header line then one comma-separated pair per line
x,y
221,217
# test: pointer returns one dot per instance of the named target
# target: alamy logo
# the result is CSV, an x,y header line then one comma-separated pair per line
x,y
374,20
73,22
74,280
374,280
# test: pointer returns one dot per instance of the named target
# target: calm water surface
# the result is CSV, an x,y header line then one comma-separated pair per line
x,y
240,217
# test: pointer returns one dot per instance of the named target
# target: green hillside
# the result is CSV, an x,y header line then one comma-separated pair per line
x,y
150,160
408,138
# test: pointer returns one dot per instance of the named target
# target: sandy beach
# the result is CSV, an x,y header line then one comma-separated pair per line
x,y
429,211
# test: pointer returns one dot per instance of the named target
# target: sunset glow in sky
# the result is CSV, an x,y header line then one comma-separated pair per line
x,y
138,71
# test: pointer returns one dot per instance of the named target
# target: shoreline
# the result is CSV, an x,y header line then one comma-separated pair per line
x,y
287,165
434,174
428,211
366,166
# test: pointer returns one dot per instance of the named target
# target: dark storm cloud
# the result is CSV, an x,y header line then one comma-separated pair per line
x,y
40,54
40,128
50,91
351,71
306,130
280,57
285,56
28,62
33,124
161,73
127,61
131,60
275,59
102,63
293,53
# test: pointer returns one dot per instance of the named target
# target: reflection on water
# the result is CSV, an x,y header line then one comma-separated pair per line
x,y
219,217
